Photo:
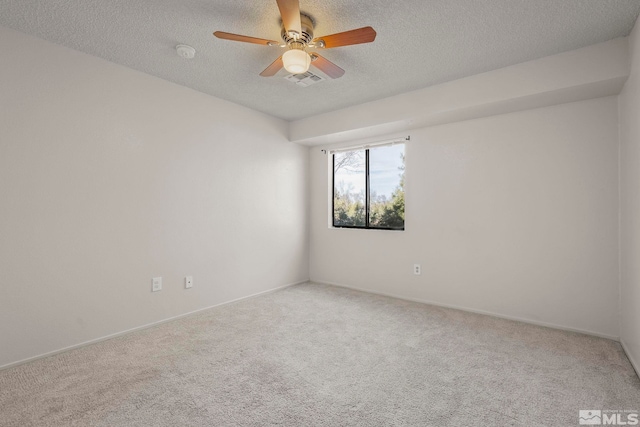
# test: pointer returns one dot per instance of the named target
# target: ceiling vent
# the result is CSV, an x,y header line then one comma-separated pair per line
x,y
305,79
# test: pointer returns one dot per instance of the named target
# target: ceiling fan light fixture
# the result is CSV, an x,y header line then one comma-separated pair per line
x,y
296,61
296,31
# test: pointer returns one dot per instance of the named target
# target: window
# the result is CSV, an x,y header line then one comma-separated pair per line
x,y
368,188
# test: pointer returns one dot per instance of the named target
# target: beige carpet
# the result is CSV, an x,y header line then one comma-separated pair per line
x,y
315,355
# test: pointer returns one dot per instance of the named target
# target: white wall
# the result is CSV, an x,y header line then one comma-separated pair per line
x,y
109,177
515,215
630,205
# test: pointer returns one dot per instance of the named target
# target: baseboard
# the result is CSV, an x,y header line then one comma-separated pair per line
x,y
472,310
635,365
138,328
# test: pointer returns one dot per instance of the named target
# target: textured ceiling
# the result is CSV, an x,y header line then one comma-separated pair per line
x,y
419,43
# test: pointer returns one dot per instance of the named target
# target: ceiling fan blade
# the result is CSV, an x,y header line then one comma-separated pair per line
x,y
361,35
272,69
326,66
290,12
246,39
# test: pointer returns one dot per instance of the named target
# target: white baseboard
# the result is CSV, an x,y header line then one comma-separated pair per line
x,y
138,328
635,365
473,310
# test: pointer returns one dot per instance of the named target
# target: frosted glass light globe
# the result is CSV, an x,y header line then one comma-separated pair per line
x,y
296,61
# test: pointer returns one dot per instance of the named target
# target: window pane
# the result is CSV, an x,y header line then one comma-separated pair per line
x,y
386,186
349,182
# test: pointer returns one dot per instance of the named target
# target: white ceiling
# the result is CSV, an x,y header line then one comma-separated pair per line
x,y
420,43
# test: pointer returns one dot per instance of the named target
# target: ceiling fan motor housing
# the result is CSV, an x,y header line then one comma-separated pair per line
x,y
307,32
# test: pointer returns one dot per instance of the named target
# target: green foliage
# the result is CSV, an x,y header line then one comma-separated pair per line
x,y
388,214
348,209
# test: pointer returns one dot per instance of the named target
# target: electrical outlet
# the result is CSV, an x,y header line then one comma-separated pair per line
x,y
188,282
416,269
156,284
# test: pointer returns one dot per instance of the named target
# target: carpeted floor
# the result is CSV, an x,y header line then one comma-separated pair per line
x,y
315,355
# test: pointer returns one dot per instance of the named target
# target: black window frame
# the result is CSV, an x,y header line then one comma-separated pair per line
x,y
367,197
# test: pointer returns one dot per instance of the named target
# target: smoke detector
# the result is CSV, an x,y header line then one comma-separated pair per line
x,y
186,51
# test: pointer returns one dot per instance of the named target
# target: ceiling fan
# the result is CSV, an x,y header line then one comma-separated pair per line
x,y
297,36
